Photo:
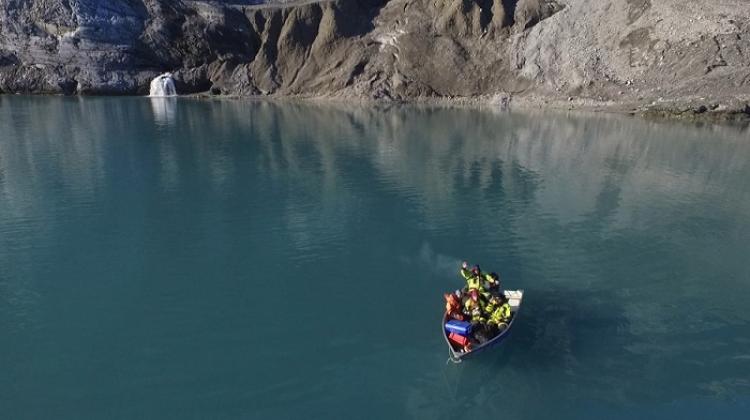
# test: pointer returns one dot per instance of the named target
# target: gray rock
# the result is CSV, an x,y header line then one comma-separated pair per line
x,y
384,49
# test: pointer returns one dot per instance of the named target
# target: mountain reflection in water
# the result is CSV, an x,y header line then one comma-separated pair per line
x,y
142,243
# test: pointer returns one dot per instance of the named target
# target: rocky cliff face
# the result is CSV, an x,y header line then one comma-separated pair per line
x,y
577,51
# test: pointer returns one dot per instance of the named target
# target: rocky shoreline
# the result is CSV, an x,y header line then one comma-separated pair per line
x,y
672,58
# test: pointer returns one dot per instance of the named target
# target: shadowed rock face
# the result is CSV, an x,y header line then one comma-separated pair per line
x,y
116,46
608,50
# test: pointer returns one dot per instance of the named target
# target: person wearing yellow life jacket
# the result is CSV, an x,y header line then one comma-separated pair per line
x,y
492,285
500,315
473,277
492,303
474,307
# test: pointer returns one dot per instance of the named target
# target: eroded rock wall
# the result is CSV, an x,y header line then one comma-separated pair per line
x,y
607,50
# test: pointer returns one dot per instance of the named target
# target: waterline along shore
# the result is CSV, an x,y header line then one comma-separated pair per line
x,y
643,57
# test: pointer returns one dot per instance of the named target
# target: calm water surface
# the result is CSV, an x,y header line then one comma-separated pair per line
x,y
197,259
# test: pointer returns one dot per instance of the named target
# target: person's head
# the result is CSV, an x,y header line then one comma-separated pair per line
x,y
493,280
451,299
464,265
475,270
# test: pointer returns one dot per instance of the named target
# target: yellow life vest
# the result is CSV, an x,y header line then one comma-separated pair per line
x,y
474,282
501,314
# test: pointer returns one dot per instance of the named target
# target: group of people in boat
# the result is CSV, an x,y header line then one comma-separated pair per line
x,y
481,302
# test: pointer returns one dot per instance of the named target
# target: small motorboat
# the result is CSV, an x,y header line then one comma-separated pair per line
x,y
457,354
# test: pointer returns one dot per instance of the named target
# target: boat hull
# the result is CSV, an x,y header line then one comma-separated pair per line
x,y
515,297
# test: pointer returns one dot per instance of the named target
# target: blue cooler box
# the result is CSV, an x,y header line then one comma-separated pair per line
x,y
458,327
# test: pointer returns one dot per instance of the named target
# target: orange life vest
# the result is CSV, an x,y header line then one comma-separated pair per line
x,y
453,307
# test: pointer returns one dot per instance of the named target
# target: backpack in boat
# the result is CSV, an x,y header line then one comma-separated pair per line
x,y
482,334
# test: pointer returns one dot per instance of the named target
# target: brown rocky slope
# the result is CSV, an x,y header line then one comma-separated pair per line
x,y
674,56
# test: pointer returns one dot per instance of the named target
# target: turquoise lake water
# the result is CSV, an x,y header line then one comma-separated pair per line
x,y
239,259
